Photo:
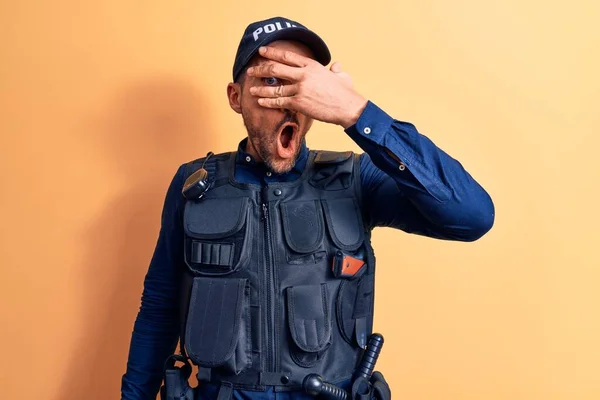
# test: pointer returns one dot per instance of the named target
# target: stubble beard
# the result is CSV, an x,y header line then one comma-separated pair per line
x,y
266,147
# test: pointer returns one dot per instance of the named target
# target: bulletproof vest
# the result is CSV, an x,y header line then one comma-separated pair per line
x,y
262,305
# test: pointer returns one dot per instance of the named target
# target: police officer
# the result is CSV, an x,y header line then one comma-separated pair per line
x,y
268,275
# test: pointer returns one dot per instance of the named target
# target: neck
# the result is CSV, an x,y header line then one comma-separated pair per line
x,y
252,150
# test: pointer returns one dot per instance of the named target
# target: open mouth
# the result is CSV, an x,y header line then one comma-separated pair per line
x,y
286,145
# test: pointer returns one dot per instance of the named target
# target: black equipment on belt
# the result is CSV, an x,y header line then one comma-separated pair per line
x,y
365,383
369,357
176,385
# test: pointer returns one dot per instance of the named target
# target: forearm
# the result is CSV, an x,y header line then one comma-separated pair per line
x,y
154,338
451,204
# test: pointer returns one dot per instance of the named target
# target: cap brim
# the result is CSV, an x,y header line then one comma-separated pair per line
x,y
310,39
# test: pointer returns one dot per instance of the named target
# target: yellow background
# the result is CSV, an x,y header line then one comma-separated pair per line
x,y
102,100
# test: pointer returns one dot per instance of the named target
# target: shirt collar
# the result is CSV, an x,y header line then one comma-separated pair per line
x,y
246,159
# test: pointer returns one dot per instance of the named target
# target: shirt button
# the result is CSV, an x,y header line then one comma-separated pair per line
x,y
277,192
248,159
367,130
402,167
268,173
285,379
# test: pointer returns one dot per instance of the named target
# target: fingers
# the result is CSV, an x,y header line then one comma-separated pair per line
x,y
274,91
277,102
336,68
284,56
275,96
275,69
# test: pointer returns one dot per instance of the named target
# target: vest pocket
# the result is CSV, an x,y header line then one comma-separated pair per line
x,y
303,231
217,235
354,309
344,222
309,323
217,332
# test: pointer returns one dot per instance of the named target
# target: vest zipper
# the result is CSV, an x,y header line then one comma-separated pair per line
x,y
270,334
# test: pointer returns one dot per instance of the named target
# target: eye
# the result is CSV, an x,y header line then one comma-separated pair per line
x,y
270,81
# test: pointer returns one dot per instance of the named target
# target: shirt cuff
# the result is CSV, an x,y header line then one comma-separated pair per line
x,y
372,124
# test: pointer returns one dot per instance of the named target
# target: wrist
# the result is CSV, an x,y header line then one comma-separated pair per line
x,y
353,111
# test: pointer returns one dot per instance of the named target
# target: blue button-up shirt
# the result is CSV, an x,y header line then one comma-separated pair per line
x,y
408,183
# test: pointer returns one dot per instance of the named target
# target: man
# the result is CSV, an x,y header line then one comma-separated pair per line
x,y
268,276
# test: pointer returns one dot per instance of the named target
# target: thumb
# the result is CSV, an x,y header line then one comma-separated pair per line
x,y
336,67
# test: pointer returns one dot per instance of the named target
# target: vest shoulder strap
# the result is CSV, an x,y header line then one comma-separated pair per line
x,y
331,157
208,162
212,163
332,170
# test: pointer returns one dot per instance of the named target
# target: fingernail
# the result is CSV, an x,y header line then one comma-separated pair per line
x,y
253,90
261,101
250,70
262,50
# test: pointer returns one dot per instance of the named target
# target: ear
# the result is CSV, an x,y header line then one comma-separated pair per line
x,y
234,94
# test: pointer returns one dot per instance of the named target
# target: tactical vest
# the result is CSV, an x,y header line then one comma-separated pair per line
x,y
261,304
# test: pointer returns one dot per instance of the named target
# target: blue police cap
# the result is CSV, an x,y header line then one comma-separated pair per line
x,y
261,33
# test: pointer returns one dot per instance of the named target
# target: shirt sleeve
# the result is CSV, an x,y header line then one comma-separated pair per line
x,y
156,328
410,184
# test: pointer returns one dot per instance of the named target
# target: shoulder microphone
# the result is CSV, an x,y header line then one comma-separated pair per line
x,y
196,185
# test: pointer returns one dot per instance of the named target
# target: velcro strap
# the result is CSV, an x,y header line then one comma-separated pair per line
x,y
256,378
225,391
278,379
204,374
